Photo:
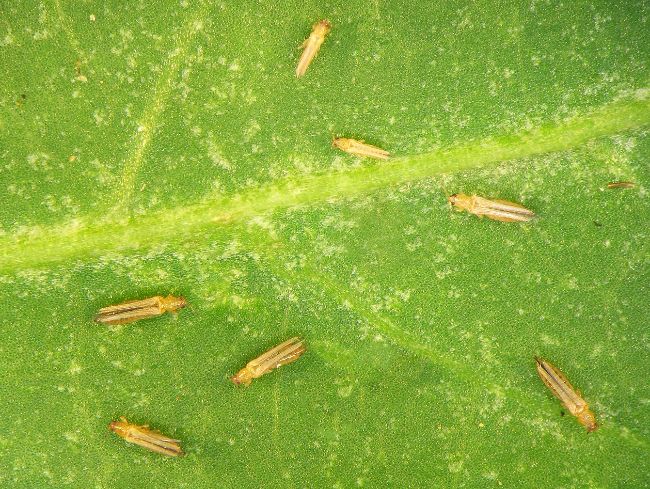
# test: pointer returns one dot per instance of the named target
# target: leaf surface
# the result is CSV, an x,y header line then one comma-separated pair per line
x,y
170,150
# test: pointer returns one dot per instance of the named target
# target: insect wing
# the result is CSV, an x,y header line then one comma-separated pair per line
x,y
290,356
510,206
501,210
127,316
504,216
309,53
359,148
286,352
363,149
154,441
560,386
146,438
131,305
130,311
312,45
273,351
621,185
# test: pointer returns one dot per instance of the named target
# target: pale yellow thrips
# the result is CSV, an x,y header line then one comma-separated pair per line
x,y
621,185
144,437
311,45
283,354
77,69
359,148
564,391
497,210
140,309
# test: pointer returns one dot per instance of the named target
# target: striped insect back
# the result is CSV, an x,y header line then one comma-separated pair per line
x,y
497,210
146,438
130,311
359,148
611,185
566,393
312,45
276,357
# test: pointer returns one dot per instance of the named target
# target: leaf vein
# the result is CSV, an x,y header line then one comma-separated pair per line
x,y
37,246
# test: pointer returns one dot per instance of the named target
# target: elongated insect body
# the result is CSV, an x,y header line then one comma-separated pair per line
x,y
497,210
621,185
144,437
130,311
283,354
562,389
312,45
359,148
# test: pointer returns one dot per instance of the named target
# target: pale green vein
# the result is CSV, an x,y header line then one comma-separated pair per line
x,y
277,438
383,325
84,238
72,38
151,115
350,300
401,337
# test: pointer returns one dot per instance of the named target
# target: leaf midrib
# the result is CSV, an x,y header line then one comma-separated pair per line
x,y
81,238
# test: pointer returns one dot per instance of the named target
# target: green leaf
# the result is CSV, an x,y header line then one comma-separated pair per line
x,y
169,149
